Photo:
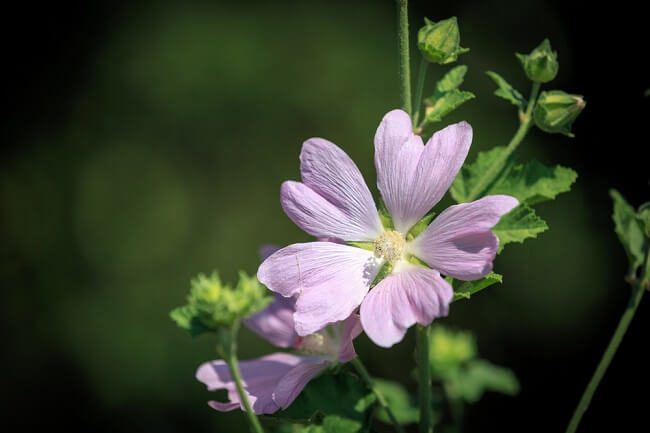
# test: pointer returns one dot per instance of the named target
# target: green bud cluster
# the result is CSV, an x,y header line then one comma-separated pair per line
x,y
556,111
439,41
449,349
541,64
212,305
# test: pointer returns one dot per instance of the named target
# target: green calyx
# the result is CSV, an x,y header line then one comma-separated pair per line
x,y
556,111
439,41
541,65
213,305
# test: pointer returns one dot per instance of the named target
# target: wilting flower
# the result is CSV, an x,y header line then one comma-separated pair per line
x,y
273,382
331,279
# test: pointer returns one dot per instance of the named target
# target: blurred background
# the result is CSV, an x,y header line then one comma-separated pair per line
x,y
145,142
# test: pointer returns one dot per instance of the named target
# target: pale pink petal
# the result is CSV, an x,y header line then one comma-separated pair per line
x,y
329,280
329,171
295,380
275,322
459,242
260,377
401,300
397,152
351,330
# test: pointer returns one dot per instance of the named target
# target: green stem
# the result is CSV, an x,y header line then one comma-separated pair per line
x,y
494,171
231,360
370,383
419,89
404,56
623,324
424,377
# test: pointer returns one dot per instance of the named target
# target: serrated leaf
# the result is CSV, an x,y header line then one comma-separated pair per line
x,y
400,402
187,317
440,105
328,395
475,178
629,228
480,376
447,96
506,91
519,224
465,289
452,79
533,182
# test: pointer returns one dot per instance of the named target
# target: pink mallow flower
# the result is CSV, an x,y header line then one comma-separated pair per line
x,y
274,381
331,279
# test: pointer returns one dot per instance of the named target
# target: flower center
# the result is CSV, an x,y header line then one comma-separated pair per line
x,y
390,246
318,344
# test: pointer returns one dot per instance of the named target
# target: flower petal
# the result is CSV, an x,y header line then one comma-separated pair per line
x,y
295,380
397,152
260,377
330,281
459,242
275,322
351,330
267,249
401,300
329,171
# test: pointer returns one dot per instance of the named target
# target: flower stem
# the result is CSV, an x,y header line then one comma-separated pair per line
x,y
424,377
419,89
370,383
494,171
623,324
404,56
231,360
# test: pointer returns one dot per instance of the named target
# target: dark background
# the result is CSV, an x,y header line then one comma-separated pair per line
x,y
144,142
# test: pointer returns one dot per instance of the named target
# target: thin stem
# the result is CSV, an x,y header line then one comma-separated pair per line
x,y
231,360
494,171
370,383
623,324
419,89
424,377
404,56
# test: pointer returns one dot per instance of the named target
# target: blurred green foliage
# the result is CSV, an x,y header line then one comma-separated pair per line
x,y
170,162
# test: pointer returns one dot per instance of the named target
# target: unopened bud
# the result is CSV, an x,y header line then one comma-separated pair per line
x,y
541,64
439,41
556,111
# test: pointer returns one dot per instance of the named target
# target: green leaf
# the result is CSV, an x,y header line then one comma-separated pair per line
x,y
474,179
343,395
465,289
439,105
480,376
400,402
534,182
187,317
368,246
519,224
506,91
420,226
629,228
447,96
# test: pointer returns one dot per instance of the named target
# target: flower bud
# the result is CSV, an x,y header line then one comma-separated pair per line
x,y
439,41
556,111
541,64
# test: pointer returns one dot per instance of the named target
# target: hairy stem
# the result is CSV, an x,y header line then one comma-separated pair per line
x,y
404,55
231,360
370,383
424,377
623,324
419,89
494,171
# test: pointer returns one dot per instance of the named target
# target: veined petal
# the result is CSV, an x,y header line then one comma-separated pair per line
x,y
351,330
295,380
275,322
397,152
401,300
329,171
260,377
329,280
459,242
